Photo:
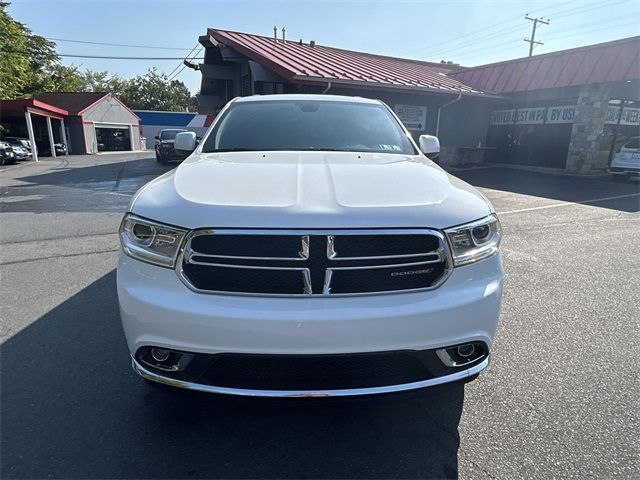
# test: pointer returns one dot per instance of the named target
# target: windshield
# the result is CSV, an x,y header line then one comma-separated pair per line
x,y
170,134
308,125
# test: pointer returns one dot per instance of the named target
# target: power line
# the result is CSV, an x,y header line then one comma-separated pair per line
x,y
554,37
114,44
104,57
554,10
588,8
184,66
183,59
464,45
109,57
503,22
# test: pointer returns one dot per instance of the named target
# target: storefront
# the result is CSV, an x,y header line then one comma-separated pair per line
x,y
569,109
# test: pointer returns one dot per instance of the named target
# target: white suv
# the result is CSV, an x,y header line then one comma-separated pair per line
x,y
626,162
308,248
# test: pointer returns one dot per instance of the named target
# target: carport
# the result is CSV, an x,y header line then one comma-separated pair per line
x,y
35,120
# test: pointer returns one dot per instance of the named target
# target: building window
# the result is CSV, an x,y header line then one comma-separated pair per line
x,y
269,88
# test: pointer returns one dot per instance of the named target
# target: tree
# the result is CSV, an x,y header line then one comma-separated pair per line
x,y
15,66
30,65
154,91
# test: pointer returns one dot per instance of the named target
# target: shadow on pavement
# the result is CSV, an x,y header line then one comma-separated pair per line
x,y
79,186
561,188
72,407
109,171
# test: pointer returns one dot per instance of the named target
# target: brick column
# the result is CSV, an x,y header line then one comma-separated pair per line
x,y
583,157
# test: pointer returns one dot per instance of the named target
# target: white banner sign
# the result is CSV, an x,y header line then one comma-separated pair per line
x,y
414,117
630,116
560,114
503,117
530,116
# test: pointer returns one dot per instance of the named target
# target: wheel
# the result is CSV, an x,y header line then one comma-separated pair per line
x,y
620,178
163,160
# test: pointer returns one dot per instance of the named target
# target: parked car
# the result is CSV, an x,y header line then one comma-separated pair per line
x,y
626,162
44,148
23,142
308,247
164,145
20,151
7,157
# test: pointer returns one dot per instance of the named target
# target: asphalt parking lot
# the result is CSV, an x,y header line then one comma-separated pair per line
x,y
560,398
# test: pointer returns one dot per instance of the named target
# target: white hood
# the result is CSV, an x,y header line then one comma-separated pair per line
x,y
309,190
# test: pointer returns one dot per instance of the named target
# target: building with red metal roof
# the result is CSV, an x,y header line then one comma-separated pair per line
x,y
609,62
78,122
565,109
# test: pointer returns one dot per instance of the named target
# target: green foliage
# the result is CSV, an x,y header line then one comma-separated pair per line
x,y
31,66
154,91
15,68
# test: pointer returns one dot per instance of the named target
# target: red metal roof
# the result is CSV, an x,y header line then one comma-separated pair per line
x,y
16,108
302,63
615,61
73,102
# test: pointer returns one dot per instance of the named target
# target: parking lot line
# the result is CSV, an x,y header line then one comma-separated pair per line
x,y
563,204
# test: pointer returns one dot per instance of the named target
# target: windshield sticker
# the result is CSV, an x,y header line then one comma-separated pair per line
x,y
390,147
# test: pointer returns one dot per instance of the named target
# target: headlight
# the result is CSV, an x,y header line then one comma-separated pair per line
x,y
150,241
474,241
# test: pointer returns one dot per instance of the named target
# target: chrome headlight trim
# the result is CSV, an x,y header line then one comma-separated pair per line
x,y
159,246
474,241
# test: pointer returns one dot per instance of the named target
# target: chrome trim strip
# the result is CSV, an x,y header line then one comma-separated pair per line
x,y
443,250
303,254
332,254
306,276
461,375
328,276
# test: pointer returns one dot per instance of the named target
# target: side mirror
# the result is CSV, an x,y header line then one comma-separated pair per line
x,y
429,145
157,137
185,143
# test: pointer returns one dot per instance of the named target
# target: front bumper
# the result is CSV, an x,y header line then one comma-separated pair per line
x,y
625,170
157,309
345,392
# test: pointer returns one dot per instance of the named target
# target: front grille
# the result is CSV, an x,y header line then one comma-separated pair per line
x,y
272,262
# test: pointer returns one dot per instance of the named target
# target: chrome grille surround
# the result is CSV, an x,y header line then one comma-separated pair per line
x,y
441,254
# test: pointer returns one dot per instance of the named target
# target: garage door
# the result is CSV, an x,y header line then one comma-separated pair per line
x,y
113,137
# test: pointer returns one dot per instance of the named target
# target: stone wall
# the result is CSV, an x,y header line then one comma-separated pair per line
x,y
583,157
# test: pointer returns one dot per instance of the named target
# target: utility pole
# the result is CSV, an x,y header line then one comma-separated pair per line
x,y
532,41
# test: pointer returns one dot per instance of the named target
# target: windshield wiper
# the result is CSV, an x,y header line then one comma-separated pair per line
x,y
235,149
323,149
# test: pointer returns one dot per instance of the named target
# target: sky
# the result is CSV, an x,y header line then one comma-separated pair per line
x,y
464,31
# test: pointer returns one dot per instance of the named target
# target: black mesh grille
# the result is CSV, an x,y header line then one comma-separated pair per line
x,y
246,280
301,372
383,245
395,278
283,246
425,267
